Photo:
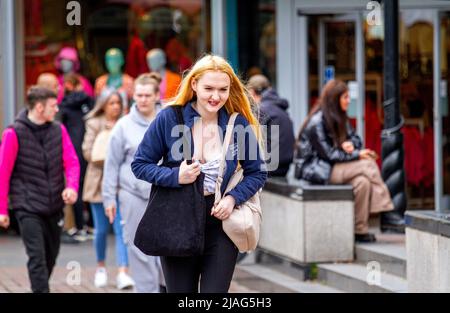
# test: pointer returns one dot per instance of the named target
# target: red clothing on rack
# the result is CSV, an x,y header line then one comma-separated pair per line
x,y
414,155
428,151
136,58
373,129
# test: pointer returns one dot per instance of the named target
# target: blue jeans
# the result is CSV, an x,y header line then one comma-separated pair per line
x,y
101,225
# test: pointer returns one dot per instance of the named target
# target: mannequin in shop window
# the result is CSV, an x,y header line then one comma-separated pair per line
x,y
115,78
156,60
67,62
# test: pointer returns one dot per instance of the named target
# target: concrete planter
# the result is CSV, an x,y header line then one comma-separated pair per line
x,y
428,251
307,223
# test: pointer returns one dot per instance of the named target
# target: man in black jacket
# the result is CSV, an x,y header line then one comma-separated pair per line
x,y
73,108
272,114
39,173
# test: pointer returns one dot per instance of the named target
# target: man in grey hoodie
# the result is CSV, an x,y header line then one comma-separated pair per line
x,y
120,184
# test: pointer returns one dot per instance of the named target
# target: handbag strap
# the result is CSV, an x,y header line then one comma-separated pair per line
x,y
226,144
186,146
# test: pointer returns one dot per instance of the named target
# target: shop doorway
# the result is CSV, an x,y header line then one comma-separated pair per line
x,y
336,50
345,47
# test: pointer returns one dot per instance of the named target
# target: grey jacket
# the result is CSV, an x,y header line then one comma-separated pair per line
x,y
125,138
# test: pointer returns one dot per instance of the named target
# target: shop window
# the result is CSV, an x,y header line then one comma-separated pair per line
x,y
257,38
180,28
445,91
416,103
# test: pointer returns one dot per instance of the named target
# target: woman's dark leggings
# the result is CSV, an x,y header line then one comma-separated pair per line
x,y
214,269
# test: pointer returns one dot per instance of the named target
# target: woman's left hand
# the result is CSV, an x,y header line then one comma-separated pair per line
x,y
223,210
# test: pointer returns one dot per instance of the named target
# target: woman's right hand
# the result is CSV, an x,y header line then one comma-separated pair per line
x,y
4,221
188,173
366,154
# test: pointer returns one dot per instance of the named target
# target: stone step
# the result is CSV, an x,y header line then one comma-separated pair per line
x,y
264,278
352,277
390,256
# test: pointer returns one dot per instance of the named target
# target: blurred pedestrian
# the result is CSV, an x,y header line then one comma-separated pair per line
x,y
49,81
279,130
120,183
208,95
39,171
99,123
73,108
330,152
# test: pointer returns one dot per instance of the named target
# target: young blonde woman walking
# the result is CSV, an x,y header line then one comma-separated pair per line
x,y
208,94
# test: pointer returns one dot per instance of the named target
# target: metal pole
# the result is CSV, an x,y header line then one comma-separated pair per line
x,y
322,52
360,72
437,115
7,58
392,139
301,75
218,25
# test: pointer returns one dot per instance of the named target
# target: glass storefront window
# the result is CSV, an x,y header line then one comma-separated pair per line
x,y
338,51
257,38
416,88
445,91
180,28
416,103
373,112
336,58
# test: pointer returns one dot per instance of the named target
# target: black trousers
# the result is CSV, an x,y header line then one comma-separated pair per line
x,y
41,237
80,206
213,270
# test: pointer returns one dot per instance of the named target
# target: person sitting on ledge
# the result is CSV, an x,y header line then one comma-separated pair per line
x,y
330,152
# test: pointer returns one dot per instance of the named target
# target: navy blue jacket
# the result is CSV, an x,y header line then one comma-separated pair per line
x,y
160,138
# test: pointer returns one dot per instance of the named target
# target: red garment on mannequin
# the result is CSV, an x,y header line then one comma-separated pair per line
x,y
33,18
136,58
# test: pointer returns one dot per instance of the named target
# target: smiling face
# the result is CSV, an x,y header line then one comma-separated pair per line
x,y
213,90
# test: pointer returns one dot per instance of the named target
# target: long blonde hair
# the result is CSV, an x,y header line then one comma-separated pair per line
x,y
239,98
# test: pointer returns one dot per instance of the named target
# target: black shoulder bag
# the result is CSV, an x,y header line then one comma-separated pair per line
x,y
174,221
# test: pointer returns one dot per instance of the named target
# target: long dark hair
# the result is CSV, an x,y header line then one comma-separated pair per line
x,y
335,118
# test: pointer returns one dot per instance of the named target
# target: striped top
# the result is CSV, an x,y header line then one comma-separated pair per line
x,y
211,171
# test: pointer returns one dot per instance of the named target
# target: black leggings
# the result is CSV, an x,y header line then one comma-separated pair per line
x,y
214,268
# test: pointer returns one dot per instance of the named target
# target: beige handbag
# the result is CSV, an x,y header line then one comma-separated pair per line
x,y
244,223
100,147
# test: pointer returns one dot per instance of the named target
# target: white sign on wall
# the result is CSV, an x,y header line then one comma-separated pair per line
x,y
353,93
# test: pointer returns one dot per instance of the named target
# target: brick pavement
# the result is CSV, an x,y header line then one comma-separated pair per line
x,y
14,277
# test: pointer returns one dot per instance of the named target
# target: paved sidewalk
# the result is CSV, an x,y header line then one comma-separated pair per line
x,y
14,277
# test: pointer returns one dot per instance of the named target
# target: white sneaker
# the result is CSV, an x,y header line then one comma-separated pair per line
x,y
101,278
124,281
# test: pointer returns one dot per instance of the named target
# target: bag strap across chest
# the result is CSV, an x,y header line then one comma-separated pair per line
x,y
225,146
